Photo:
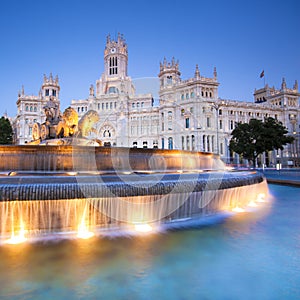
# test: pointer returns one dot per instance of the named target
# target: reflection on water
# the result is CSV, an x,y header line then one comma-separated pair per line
x,y
248,256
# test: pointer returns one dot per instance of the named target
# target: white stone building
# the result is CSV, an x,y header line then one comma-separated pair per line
x,y
30,109
190,114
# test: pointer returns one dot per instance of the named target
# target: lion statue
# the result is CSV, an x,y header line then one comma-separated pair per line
x,y
68,125
86,123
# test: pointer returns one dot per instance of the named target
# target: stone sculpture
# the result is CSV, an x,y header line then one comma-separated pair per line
x,y
87,122
68,125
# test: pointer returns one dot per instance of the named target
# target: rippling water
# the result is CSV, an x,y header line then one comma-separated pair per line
x,y
248,256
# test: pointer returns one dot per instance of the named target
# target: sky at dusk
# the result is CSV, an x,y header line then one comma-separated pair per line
x,y
67,38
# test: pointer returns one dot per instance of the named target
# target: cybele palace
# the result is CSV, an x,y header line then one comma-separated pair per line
x,y
189,115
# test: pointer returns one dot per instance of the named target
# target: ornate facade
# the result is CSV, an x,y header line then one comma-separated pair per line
x,y
190,114
31,108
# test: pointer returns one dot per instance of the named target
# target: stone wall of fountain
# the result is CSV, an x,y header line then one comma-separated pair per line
x,y
46,189
83,158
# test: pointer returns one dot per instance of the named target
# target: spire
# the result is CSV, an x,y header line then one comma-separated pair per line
x,y
92,93
108,39
22,92
296,85
215,73
197,73
173,61
51,77
45,78
283,84
56,79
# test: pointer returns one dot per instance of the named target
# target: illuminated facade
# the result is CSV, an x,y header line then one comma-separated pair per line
x,y
189,115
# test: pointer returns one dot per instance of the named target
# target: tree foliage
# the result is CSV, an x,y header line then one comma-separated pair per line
x,y
6,132
256,137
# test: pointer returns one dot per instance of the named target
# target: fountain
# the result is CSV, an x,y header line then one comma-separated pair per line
x,y
71,186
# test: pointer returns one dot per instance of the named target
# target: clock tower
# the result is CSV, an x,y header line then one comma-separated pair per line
x,y
116,57
114,79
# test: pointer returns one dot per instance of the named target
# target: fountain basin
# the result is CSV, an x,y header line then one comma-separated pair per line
x,y
54,189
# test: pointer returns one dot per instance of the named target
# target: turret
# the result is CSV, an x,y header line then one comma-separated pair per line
x,y
169,73
50,88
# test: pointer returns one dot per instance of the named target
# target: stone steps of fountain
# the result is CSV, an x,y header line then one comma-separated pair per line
x,y
77,187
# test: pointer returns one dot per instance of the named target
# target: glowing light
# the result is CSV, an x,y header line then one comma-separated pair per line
x,y
238,209
261,197
252,204
72,173
179,171
143,227
17,239
83,232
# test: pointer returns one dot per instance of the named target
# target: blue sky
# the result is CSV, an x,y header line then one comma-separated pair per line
x,y
239,38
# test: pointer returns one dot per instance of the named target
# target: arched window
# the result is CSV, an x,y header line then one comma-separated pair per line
x,y
113,90
187,123
170,143
208,143
106,133
26,108
182,142
192,94
193,142
113,65
35,108
31,108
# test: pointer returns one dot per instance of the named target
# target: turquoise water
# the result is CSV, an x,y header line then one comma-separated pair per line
x,y
248,256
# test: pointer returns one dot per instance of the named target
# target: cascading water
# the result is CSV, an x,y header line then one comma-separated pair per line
x,y
133,189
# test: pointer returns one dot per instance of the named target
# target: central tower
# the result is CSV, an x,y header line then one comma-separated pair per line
x,y
114,79
116,57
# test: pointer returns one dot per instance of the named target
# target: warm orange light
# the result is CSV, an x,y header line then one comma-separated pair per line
x,y
261,197
83,231
143,227
72,173
17,239
238,209
252,204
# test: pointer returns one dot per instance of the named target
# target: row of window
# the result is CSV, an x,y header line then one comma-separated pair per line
x,y
145,144
27,121
81,109
49,92
188,143
30,108
187,96
137,105
107,105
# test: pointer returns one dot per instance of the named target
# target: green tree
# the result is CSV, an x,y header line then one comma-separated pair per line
x,y
256,137
6,132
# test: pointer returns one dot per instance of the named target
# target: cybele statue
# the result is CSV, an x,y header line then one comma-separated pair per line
x,y
65,129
